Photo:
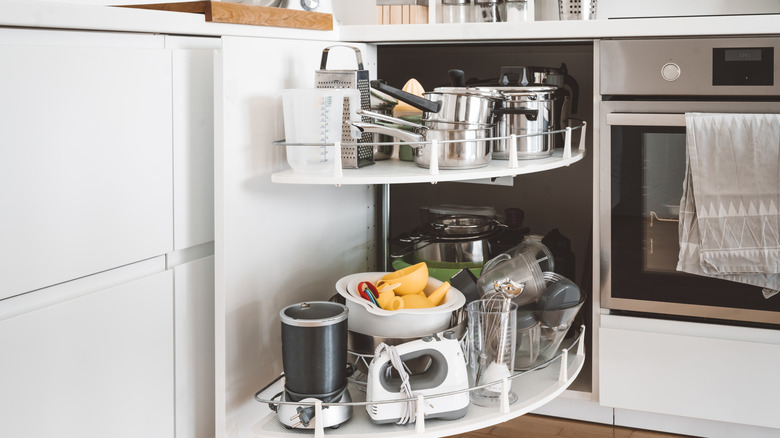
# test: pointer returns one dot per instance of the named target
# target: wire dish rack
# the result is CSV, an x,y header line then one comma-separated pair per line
x,y
395,171
534,388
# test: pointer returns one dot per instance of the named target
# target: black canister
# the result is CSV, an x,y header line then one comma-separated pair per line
x,y
314,350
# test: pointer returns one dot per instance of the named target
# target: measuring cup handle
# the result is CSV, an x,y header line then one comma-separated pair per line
x,y
324,60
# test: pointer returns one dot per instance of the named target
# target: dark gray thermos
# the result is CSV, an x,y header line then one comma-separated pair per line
x,y
314,350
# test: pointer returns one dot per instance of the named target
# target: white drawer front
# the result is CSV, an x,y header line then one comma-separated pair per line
x,y
85,161
98,365
734,378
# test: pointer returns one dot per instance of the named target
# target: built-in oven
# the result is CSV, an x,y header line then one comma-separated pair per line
x,y
647,87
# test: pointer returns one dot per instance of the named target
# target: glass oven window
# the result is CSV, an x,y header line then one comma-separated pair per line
x,y
648,168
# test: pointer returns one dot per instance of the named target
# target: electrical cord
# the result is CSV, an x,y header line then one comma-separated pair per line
x,y
408,413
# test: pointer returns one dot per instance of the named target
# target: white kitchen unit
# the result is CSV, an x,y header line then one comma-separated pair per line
x,y
695,370
82,359
85,167
277,244
194,346
107,263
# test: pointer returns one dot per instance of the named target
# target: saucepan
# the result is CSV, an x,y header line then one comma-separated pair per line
x,y
459,105
462,145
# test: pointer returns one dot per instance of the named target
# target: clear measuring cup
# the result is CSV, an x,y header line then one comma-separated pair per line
x,y
314,121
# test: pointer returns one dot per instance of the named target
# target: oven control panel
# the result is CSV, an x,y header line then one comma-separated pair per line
x,y
690,67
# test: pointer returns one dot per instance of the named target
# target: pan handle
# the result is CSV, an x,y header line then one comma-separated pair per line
x,y
393,132
324,60
389,119
530,114
418,102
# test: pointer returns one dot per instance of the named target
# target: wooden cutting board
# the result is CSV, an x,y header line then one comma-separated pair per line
x,y
237,13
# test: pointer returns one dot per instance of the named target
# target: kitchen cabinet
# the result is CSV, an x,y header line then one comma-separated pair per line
x,y
85,168
689,369
280,244
275,245
193,139
193,322
92,357
107,176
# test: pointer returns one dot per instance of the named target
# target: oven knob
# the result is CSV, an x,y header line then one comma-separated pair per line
x,y
670,71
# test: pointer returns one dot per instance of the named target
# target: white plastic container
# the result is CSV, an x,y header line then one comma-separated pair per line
x,y
314,121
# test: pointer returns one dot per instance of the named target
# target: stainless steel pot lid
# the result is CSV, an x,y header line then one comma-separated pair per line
x,y
525,91
467,91
462,225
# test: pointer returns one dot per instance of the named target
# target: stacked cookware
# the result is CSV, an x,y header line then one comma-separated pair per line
x,y
471,124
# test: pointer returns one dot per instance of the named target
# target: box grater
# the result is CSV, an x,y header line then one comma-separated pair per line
x,y
352,156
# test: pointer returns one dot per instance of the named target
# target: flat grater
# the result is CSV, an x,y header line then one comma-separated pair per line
x,y
352,156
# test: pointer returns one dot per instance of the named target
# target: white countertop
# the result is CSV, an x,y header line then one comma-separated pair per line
x,y
36,14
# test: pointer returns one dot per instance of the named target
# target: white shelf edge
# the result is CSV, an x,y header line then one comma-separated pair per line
x,y
533,388
648,27
478,417
394,171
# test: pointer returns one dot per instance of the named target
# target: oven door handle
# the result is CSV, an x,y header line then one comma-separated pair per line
x,y
646,119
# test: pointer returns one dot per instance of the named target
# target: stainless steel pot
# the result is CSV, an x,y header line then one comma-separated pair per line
x,y
449,104
466,145
457,241
549,94
527,111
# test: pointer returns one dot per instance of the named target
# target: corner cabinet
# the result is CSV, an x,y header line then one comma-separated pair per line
x,y
284,238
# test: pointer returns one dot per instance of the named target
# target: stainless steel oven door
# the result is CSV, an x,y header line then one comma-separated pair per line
x,y
642,166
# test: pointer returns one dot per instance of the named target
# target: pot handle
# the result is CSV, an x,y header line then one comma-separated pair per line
x,y
570,82
324,60
521,72
414,242
458,77
530,114
418,102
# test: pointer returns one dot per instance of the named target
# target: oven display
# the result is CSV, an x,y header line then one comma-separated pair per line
x,y
743,66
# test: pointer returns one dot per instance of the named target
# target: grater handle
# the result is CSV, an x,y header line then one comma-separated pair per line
x,y
324,61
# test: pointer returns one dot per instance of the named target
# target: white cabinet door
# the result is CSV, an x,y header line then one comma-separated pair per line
x,y
194,315
85,158
99,365
193,139
702,371
275,245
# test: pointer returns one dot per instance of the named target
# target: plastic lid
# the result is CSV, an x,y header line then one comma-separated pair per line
x,y
526,319
314,314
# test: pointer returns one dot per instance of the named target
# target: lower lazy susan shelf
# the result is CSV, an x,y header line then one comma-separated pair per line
x,y
534,388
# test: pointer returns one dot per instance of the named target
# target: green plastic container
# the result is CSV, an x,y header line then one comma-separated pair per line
x,y
441,274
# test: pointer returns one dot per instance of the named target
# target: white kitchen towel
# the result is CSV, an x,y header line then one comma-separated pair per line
x,y
729,220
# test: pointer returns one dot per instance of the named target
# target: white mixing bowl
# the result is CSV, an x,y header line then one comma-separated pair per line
x,y
368,319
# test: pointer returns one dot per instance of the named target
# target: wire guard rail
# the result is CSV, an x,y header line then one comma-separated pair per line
x,y
565,377
513,163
